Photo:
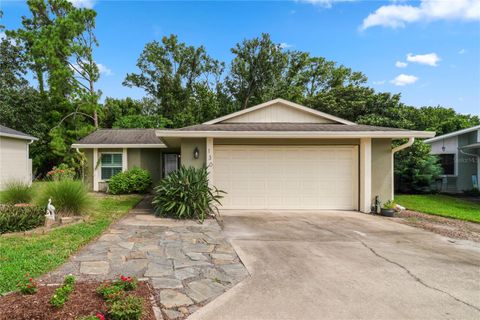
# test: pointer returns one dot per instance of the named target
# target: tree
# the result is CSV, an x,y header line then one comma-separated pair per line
x,y
57,42
172,74
256,68
142,121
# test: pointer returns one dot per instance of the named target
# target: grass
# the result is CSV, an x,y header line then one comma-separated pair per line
x,y
441,205
39,254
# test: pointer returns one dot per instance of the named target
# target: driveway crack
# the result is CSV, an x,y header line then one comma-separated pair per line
x,y
416,278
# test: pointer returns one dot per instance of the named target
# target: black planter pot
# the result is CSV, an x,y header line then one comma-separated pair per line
x,y
387,212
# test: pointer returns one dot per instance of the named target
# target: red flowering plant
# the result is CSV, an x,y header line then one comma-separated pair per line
x,y
27,285
98,316
127,283
62,172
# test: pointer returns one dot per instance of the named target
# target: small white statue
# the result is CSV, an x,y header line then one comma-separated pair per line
x,y
50,210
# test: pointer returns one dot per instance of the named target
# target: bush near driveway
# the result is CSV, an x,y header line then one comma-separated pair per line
x,y
185,194
441,205
135,180
39,254
13,219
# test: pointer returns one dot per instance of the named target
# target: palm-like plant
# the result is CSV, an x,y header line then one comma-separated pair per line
x,y
185,194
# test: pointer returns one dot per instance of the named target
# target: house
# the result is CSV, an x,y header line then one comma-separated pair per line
x,y
276,155
15,164
459,154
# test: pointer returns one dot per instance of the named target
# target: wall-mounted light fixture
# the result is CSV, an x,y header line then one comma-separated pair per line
x,y
196,153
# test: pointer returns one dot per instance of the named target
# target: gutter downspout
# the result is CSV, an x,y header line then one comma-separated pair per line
x,y
478,161
395,150
29,163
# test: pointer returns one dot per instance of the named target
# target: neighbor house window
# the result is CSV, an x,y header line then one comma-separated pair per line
x,y
111,164
447,161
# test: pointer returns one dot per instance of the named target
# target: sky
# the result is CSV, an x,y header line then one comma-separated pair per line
x,y
427,50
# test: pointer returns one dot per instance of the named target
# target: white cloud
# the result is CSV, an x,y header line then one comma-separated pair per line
x,y
462,51
83,3
397,16
404,79
104,69
430,59
2,36
285,45
401,64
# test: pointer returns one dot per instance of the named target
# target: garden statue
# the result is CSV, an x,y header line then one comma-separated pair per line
x,y
50,210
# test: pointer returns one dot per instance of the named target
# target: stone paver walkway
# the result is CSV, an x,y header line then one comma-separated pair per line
x,y
187,263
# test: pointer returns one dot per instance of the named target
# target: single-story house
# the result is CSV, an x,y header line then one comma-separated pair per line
x,y
15,163
459,154
276,155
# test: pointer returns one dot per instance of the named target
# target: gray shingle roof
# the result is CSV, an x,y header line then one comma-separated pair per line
x,y
297,127
121,136
9,132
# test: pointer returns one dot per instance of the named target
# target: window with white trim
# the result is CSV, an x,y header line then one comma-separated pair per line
x,y
111,164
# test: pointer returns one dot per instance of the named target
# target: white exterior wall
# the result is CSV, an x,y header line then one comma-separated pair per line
x,y
15,164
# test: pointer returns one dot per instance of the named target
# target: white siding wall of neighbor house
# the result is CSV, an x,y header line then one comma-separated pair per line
x,y
15,164
278,113
287,177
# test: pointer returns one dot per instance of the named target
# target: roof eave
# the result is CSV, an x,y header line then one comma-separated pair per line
x,y
125,145
453,134
295,134
17,136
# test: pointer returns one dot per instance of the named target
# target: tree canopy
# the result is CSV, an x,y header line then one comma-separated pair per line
x,y
183,85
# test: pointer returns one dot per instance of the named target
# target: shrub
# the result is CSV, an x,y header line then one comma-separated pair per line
x,y
61,294
17,192
128,308
135,180
13,219
27,285
127,283
110,292
185,194
61,172
98,316
68,196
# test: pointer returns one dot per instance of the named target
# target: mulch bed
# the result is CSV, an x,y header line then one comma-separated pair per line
x,y
83,301
452,228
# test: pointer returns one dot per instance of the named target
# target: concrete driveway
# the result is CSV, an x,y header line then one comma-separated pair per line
x,y
346,265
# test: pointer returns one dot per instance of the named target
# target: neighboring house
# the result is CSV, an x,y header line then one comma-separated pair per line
x,y
277,155
459,154
15,164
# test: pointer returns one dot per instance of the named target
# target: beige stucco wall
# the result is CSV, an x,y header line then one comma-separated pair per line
x,y
188,145
15,164
149,159
382,169
260,141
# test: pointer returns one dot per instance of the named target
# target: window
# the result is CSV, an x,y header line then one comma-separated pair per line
x,y
111,164
447,161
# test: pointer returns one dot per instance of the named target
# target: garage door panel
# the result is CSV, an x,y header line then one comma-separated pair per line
x,y
287,177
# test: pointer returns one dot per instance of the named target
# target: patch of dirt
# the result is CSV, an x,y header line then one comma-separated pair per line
x,y
453,228
83,301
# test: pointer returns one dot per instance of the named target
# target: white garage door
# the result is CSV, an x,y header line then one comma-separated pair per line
x,y
287,177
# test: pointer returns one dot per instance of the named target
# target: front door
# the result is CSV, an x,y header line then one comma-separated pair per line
x,y
171,162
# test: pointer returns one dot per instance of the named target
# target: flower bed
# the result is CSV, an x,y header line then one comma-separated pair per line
x,y
84,302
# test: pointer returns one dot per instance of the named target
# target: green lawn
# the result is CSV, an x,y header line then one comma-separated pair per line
x,y
39,254
441,205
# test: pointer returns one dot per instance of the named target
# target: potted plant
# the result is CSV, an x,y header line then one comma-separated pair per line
x,y
388,208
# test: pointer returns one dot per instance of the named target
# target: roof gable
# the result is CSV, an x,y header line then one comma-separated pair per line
x,y
279,111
